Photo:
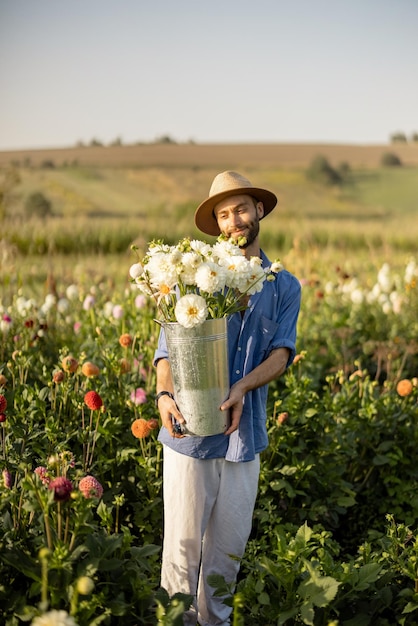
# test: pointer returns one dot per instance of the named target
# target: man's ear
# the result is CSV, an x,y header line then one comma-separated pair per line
x,y
260,210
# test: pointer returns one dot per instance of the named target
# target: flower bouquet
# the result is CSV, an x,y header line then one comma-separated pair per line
x,y
194,281
196,286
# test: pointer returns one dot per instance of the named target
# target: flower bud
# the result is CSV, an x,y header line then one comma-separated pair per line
x,y
85,585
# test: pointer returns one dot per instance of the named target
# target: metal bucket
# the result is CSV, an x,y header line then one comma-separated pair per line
x,y
200,372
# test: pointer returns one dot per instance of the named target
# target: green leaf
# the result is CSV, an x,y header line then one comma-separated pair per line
x,y
264,598
346,501
288,470
142,552
410,607
307,613
320,591
368,574
22,563
380,459
286,615
303,535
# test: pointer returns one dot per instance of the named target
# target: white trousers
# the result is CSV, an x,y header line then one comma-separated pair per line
x,y
208,509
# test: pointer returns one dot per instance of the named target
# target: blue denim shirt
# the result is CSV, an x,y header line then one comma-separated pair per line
x,y
268,323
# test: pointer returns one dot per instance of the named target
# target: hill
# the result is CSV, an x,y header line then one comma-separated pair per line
x,y
219,156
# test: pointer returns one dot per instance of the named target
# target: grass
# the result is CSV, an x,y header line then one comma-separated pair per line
x,y
99,211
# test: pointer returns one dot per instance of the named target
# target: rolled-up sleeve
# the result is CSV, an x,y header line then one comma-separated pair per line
x,y
161,351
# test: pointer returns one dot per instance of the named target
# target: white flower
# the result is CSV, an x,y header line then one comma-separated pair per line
x,y
236,268
191,310
24,306
255,277
210,277
161,270
63,305
54,618
201,247
72,292
220,274
190,263
276,267
383,277
411,271
357,296
136,270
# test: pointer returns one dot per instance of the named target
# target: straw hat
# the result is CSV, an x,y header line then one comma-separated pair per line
x,y
224,185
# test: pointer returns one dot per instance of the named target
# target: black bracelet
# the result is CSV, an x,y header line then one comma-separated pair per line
x,y
163,393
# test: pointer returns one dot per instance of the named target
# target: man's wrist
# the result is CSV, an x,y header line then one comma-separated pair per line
x,y
163,393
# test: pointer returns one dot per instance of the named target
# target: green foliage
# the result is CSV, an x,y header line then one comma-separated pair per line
x,y
398,137
38,205
320,171
390,159
334,533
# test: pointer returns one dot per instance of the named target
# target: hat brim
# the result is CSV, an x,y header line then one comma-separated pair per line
x,y
204,216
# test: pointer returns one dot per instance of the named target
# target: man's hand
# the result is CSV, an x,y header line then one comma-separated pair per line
x,y
170,414
234,404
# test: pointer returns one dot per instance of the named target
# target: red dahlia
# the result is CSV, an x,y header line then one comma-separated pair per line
x,y
93,400
3,403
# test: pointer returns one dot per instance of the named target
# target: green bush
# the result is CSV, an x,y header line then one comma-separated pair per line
x,y
38,205
390,159
320,171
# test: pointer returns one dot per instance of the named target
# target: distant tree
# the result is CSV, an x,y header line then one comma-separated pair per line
x,y
165,139
47,164
414,137
320,171
95,143
38,205
390,159
398,138
344,169
116,142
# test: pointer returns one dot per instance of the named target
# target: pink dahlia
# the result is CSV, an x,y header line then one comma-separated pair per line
x,y
62,488
138,396
90,487
42,472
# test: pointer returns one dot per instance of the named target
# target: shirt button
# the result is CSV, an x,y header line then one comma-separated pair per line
x,y
237,372
239,348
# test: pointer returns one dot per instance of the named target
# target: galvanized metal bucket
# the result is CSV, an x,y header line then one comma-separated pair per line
x,y
199,368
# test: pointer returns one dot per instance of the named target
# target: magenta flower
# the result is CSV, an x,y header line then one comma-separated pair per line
x,y
90,487
7,479
138,396
62,488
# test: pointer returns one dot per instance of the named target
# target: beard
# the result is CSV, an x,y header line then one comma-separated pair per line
x,y
253,231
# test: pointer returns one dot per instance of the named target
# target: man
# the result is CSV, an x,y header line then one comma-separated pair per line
x,y
210,483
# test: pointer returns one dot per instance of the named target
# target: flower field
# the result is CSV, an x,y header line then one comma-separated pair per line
x,y
334,537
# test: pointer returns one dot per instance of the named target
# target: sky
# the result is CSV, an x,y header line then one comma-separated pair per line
x,y
215,71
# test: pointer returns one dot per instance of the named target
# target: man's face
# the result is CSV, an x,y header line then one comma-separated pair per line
x,y
239,216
